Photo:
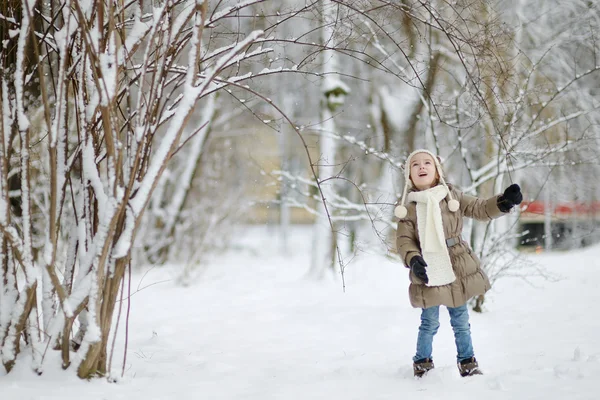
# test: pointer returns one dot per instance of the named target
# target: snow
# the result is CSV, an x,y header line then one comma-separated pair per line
x,y
253,327
108,66
332,83
397,104
7,120
23,121
94,97
92,175
124,244
137,32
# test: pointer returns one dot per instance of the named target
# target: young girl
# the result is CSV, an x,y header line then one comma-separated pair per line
x,y
443,268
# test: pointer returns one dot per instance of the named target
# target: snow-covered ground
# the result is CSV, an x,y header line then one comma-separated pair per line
x,y
253,327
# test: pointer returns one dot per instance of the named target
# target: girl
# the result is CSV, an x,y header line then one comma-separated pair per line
x,y
443,268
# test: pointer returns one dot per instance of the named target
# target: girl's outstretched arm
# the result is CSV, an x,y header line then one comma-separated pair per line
x,y
478,208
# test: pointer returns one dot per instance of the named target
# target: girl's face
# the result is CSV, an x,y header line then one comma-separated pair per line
x,y
422,171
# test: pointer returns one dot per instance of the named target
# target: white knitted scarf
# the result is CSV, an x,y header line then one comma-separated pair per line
x,y
431,235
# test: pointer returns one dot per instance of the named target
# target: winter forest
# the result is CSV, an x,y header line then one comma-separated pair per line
x,y
150,135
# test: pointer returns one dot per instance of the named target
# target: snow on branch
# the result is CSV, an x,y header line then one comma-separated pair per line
x,y
190,95
503,167
345,209
558,92
123,245
136,35
555,122
8,19
22,119
243,56
478,173
91,174
230,10
12,234
177,26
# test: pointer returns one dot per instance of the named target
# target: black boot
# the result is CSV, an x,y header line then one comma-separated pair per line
x,y
469,367
421,367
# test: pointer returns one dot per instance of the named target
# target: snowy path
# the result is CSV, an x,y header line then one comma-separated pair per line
x,y
252,328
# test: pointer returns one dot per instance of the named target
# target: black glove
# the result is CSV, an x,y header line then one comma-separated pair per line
x,y
417,265
511,197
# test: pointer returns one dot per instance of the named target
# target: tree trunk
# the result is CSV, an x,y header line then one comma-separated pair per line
x,y
323,258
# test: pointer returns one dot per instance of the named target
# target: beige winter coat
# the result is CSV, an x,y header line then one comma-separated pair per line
x,y
470,278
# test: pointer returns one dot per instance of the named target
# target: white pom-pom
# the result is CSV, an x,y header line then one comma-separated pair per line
x,y
453,205
400,212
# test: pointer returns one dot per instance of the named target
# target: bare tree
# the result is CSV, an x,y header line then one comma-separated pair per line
x,y
495,94
98,97
120,86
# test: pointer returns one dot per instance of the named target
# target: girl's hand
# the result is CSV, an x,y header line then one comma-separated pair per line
x,y
512,196
417,266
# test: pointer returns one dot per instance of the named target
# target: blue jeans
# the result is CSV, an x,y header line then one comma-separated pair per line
x,y
430,322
